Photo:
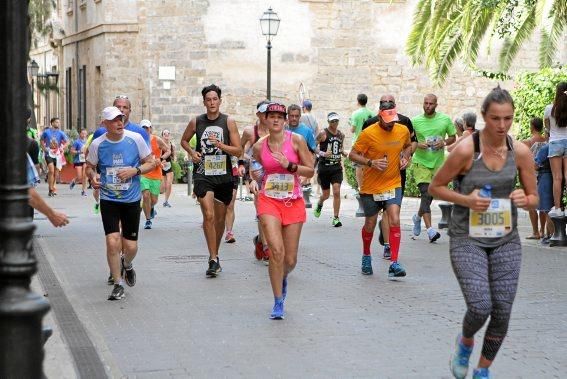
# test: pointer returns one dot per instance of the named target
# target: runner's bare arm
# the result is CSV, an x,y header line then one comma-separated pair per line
x,y
305,168
458,162
186,137
147,164
164,147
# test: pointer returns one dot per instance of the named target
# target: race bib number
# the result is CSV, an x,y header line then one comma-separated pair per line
x,y
113,182
384,196
167,166
82,157
431,141
215,165
495,222
279,186
52,153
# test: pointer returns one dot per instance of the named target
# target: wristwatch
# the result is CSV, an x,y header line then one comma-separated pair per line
x,y
138,171
369,163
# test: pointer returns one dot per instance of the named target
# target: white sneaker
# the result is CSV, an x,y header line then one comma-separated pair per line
x,y
556,212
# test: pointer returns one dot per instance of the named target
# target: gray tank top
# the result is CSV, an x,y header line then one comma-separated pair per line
x,y
503,182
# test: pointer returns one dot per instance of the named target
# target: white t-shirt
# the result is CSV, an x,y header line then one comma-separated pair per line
x,y
555,133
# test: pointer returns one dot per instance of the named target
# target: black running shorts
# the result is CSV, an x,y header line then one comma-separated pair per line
x,y
115,214
328,177
222,191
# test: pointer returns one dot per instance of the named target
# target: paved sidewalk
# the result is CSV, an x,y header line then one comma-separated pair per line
x,y
177,323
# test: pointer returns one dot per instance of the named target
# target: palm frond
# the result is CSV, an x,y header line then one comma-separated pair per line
x,y
548,46
512,45
480,21
416,42
449,52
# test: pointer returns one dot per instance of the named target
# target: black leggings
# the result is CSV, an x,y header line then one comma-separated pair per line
x,y
488,278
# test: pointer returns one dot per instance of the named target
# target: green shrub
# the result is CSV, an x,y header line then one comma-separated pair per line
x,y
533,92
411,186
176,168
350,173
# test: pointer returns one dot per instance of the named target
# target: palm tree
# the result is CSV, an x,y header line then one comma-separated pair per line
x,y
446,30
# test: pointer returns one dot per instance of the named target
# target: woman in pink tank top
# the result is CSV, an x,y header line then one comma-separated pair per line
x,y
281,208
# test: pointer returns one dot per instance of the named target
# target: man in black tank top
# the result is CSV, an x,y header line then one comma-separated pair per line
x,y
330,170
217,140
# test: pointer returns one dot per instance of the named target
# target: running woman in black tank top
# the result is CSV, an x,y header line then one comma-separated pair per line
x,y
485,248
217,140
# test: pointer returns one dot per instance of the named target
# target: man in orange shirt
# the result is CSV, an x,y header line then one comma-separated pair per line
x,y
382,149
151,182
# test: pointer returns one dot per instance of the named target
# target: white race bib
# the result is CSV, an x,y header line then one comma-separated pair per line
x,y
215,165
384,196
495,222
113,182
279,186
82,157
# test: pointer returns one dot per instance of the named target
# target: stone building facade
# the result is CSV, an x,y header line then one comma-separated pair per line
x,y
160,53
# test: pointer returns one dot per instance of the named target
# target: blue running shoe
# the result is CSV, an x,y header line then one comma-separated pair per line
x,y
396,270
153,213
481,373
387,252
367,265
284,288
148,224
416,225
72,184
459,362
277,311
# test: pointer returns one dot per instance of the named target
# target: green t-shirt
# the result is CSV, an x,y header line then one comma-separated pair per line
x,y
357,120
430,130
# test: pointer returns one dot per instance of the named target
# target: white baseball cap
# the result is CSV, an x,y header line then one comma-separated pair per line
x,y
146,124
110,113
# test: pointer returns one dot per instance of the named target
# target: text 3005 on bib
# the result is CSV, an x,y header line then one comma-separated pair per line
x,y
495,222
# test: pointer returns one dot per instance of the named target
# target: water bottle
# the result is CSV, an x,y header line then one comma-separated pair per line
x,y
485,191
234,164
257,166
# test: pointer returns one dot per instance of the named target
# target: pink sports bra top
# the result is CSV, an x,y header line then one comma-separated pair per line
x,y
278,183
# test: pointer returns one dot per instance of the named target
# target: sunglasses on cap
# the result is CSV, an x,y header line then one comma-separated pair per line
x,y
122,97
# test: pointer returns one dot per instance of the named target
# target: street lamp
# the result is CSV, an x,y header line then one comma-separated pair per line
x,y
33,70
270,23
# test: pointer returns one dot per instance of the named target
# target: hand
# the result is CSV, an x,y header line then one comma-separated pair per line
x,y
422,145
253,187
477,203
256,175
126,173
214,141
95,182
380,164
281,159
196,157
439,145
58,219
404,162
241,170
519,198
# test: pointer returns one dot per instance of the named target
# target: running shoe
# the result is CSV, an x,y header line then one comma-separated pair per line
x,y
153,213
72,184
166,204
214,268
117,293
396,270
278,310
459,362
50,194
110,280
317,210
481,373
416,225
96,208
545,240
380,236
336,222
148,224
387,252
284,288
367,265
556,212
229,238
258,248
83,193
433,235
129,274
